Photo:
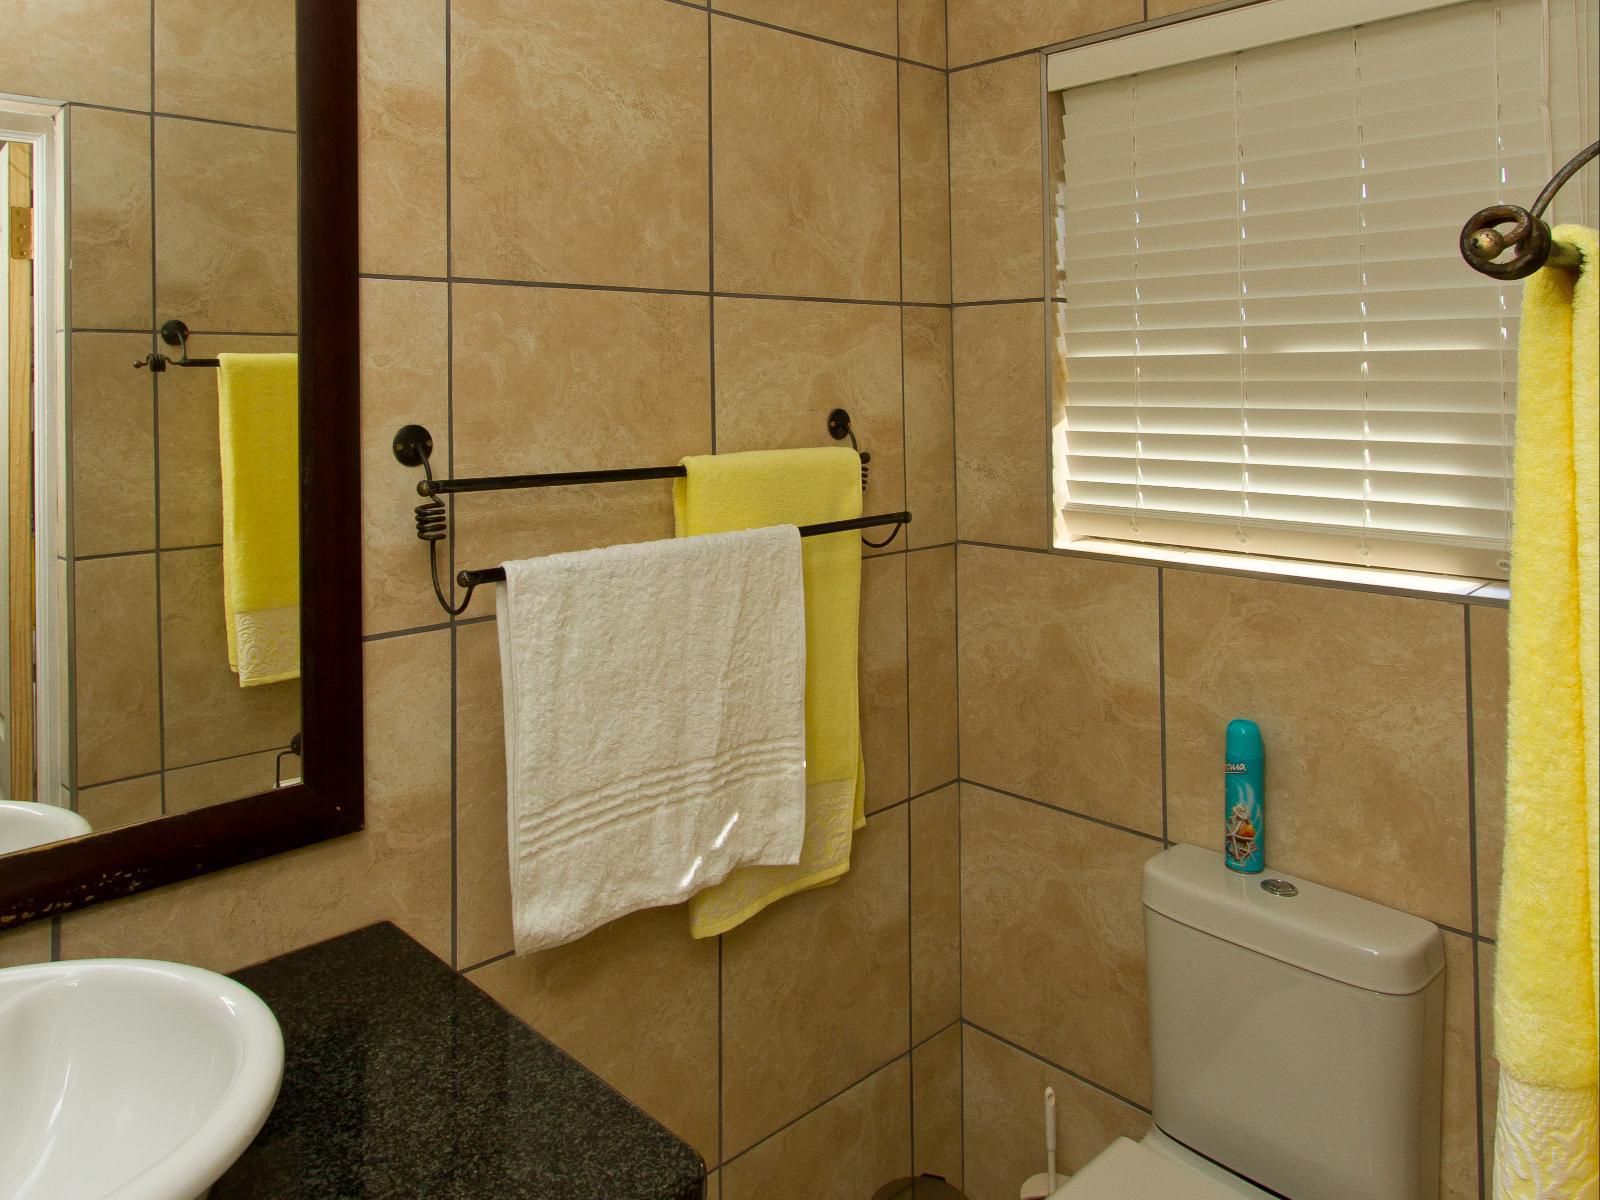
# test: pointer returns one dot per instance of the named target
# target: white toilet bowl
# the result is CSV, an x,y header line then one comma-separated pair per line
x,y
1156,1168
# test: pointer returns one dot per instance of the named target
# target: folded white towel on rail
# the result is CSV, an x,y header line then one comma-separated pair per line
x,y
655,723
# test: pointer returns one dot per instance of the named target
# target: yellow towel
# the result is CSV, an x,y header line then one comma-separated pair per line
x,y
259,420
800,487
1545,1016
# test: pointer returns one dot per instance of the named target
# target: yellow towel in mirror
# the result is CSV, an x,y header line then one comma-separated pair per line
x,y
259,421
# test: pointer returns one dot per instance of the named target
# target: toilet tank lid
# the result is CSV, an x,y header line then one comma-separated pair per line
x,y
1318,929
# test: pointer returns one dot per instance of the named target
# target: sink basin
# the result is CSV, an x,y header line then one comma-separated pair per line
x,y
129,1080
24,823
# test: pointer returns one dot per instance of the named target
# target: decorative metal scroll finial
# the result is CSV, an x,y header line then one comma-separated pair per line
x,y
1483,242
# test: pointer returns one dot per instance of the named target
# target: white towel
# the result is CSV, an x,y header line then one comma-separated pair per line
x,y
655,723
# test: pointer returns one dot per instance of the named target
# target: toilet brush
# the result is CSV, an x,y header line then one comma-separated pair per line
x,y
1040,1187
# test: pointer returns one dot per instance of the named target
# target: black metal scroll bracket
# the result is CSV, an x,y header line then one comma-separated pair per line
x,y
1482,242
174,333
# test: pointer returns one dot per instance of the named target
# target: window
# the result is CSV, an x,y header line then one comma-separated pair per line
x,y
1266,340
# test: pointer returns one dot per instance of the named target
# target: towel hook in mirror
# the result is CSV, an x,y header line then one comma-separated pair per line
x,y
174,333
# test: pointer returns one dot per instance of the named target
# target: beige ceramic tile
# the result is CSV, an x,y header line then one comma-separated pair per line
x,y
578,142
110,220
922,31
113,445
935,912
936,1106
227,60
1458,1173
1003,1097
805,175
561,380
924,185
845,1150
996,165
1489,1093
25,945
815,992
930,426
1376,806
126,802
1490,668
191,466
483,880
1060,682
116,672
229,779
869,24
931,665
883,679
1002,477
405,365
635,1002
206,713
984,29
1052,937
714,1186
227,253
397,869
95,51
400,126
782,366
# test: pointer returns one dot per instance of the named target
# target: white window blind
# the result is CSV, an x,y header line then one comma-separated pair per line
x,y
1267,339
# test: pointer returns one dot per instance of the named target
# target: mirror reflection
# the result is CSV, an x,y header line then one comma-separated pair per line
x,y
150,584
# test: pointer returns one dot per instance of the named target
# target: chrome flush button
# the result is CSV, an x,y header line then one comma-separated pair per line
x,y
1279,887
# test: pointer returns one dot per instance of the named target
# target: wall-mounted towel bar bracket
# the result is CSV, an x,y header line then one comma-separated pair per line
x,y
1529,237
413,447
175,333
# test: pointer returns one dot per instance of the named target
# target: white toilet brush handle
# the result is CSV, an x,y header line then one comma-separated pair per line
x,y
1050,1135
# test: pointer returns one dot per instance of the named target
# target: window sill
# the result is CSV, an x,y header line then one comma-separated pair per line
x,y
1491,592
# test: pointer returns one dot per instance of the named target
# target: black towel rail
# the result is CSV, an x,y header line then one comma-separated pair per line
x,y
175,333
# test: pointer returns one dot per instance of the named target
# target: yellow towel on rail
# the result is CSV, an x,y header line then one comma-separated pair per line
x,y
801,487
1545,1016
259,420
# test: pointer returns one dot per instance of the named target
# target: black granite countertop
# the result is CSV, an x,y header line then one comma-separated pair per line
x,y
403,1080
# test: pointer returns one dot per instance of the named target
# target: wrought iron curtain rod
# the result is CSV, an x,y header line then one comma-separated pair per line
x,y
1529,236
175,333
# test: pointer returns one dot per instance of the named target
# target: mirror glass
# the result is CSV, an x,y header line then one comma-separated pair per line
x,y
149,589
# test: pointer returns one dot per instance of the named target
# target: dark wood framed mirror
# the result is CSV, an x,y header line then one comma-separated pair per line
x,y
58,876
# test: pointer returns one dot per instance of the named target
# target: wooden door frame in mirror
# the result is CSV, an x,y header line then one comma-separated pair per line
x,y
57,878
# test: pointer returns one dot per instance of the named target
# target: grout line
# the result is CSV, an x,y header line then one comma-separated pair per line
x,y
450,447
205,762
1070,812
149,551
155,445
711,242
1081,1078
997,301
883,1066
810,37
152,112
1161,692
1472,875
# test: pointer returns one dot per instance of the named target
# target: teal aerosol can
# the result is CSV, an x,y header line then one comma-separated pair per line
x,y
1244,828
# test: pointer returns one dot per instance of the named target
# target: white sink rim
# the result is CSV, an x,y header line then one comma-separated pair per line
x,y
210,1148
51,822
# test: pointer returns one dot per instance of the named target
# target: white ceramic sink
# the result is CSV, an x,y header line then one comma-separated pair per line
x,y
24,823
129,1080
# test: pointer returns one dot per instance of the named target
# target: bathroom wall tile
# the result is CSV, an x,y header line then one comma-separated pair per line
x,y
845,1150
116,673
95,51
126,802
207,715
936,1106
191,467
996,222
883,679
405,380
227,779
870,24
400,126
227,60
397,869
931,665
1489,1085
930,426
1052,937
714,1186
113,446
1003,1098
924,185
110,220
1458,1174
922,31
1002,474
483,881
1060,682
561,380
1350,802
29,944
1165,8
226,243
657,1043
578,142
983,29
814,996
783,365
805,175
1490,668
935,911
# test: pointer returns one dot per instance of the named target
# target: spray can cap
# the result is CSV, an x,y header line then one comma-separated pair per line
x,y
1244,740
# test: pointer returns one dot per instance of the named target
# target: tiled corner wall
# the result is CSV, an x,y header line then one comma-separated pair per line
x,y
599,235
182,200
1093,695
